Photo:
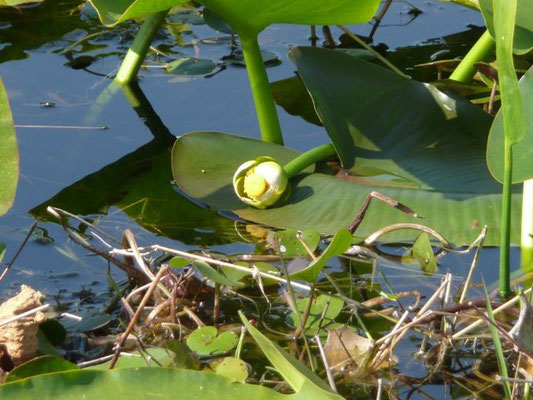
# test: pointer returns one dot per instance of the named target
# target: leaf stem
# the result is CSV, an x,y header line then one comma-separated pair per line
x,y
137,52
505,230
262,93
481,51
527,226
308,158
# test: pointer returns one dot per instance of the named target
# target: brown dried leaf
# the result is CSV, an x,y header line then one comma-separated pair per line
x,y
20,337
344,347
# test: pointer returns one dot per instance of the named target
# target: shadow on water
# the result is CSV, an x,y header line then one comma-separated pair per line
x,y
140,184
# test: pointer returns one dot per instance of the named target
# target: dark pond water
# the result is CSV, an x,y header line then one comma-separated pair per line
x,y
103,174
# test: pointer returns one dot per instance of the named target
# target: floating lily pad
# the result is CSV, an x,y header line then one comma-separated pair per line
x,y
90,321
206,341
326,203
234,369
191,66
317,317
237,58
290,242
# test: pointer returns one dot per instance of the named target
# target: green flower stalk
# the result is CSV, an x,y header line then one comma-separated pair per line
x,y
262,183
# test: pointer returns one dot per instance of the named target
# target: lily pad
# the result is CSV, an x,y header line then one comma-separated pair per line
x,y
326,203
191,66
90,321
9,167
290,242
237,58
316,318
206,341
523,35
523,150
234,369
433,141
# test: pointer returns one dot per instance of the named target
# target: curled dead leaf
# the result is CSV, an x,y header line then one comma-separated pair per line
x,y
20,337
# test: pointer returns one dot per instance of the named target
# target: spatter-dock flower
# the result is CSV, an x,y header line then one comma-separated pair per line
x,y
261,183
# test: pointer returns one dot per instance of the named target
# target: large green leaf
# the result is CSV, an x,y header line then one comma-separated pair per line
x,y
112,12
523,35
9,154
203,165
523,150
250,16
136,383
382,123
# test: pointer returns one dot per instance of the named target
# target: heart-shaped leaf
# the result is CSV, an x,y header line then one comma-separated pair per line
x,y
317,317
523,150
206,341
294,243
232,368
327,203
523,34
432,141
191,66
9,167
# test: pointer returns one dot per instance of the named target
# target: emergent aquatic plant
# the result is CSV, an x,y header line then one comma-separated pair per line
x,y
430,151
248,18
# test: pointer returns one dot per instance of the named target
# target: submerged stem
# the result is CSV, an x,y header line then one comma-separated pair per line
x,y
481,50
262,93
137,52
309,158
